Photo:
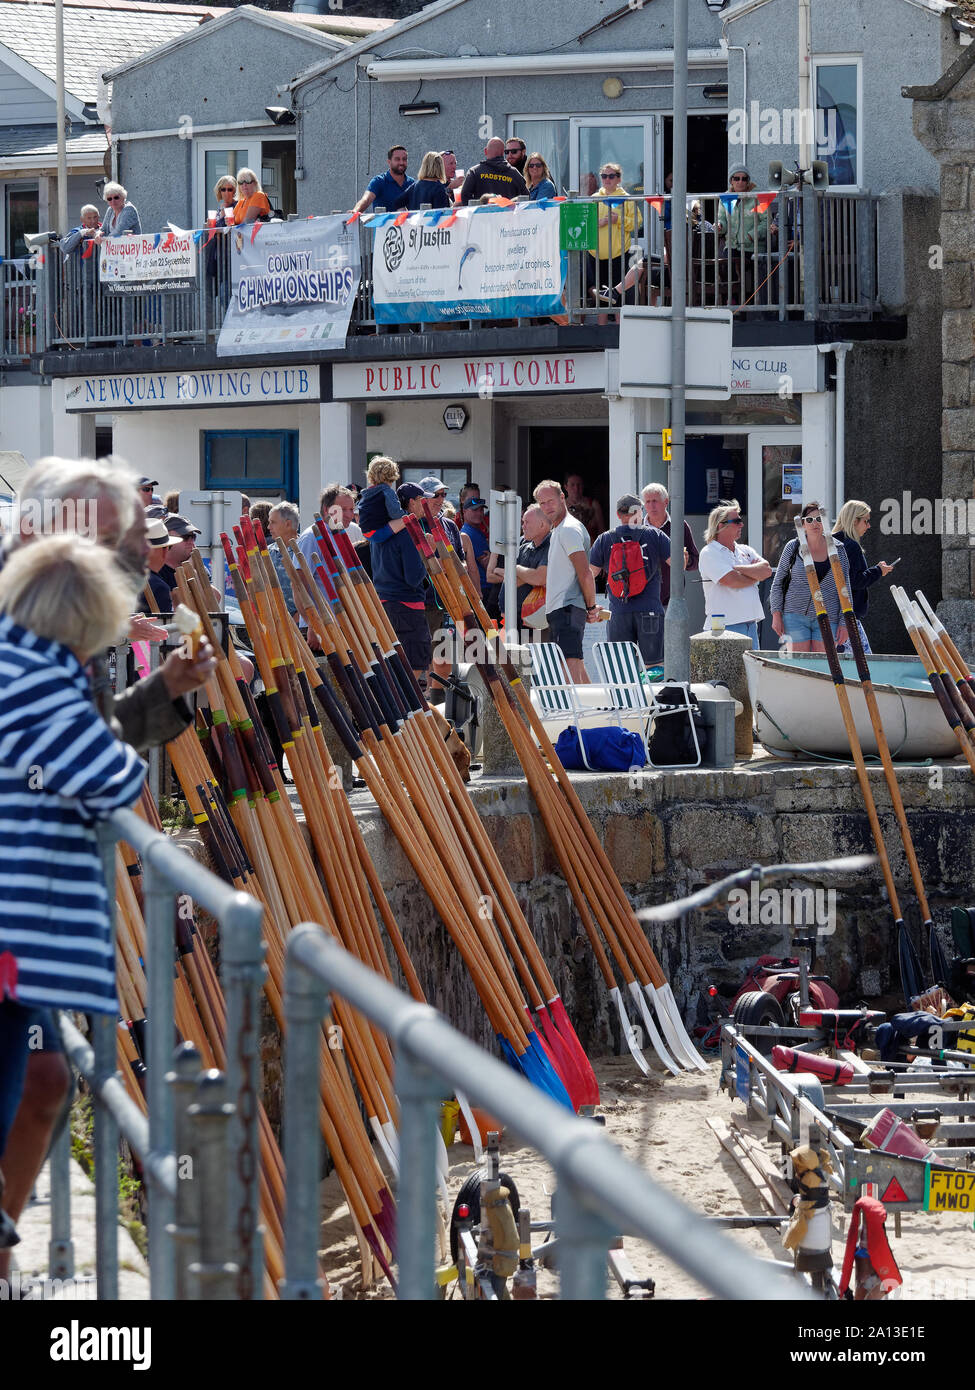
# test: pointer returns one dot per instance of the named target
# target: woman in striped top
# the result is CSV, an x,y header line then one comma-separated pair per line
x,y
61,600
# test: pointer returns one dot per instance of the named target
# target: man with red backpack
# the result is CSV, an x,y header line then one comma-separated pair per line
x,y
633,556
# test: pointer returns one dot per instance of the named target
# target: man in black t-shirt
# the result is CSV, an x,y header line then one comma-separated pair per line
x,y
493,175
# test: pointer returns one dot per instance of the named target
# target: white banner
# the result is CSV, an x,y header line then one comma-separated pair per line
x,y
467,263
294,286
163,261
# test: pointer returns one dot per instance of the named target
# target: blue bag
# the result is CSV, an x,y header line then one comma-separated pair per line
x,y
609,750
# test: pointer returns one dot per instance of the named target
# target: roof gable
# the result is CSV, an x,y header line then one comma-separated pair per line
x,y
402,26
244,14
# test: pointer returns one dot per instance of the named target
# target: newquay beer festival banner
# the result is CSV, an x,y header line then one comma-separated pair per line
x,y
132,264
483,262
294,284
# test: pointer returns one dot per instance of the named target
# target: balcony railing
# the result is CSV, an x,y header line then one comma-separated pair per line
x,y
18,328
804,254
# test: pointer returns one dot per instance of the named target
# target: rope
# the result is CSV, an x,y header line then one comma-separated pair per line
x,y
825,757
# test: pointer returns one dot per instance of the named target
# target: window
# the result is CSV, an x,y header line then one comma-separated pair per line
x,y
257,462
837,95
453,476
550,137
21,217
273,161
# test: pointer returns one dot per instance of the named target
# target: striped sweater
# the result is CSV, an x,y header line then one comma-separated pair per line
x,y
61,768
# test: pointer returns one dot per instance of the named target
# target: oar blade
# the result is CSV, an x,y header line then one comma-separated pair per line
x,y
673,1025
560,1057
630,1035
656,1041
556,1009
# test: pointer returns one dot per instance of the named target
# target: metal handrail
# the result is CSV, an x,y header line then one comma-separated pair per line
x,y
601,1193
169,873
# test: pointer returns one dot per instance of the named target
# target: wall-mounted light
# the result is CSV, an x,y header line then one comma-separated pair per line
x,y
280,115
715,6
420,108
612,88
455,417
716,91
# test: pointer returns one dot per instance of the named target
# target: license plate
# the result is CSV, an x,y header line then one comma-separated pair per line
x,y
949,1191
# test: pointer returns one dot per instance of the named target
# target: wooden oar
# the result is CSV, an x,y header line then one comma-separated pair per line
x,y
941,687
959,667
887,761
910,967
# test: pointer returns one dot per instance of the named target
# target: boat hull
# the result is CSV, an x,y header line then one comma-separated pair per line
x,y
796,710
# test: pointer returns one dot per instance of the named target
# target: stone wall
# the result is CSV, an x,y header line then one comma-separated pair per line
x,y
671,835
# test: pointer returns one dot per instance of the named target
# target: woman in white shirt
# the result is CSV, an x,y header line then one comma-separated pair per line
x,y
732,573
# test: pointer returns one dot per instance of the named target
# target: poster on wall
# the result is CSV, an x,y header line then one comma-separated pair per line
x,y
294,284
467,263
133,264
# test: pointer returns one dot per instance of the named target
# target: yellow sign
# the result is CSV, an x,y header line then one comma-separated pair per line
x,y
949,1191
666,436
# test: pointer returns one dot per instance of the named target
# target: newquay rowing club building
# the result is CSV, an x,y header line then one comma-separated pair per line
x,y
835,359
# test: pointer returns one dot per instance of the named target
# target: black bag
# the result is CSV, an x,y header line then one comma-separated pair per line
x,y
671,740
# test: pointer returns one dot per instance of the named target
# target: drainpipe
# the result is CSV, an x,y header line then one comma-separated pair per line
x,y
805,83
839,483
739,48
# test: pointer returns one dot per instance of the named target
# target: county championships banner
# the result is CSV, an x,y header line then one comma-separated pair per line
x,y
163,261
468,263
294,284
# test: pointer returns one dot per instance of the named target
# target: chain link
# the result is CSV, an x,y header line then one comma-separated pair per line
x,y
246,1161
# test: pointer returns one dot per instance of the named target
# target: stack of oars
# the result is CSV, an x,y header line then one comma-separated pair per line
x,y
391,734
596,890
200,1017
236,794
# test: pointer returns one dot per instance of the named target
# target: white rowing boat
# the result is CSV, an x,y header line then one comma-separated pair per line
x,y
796,710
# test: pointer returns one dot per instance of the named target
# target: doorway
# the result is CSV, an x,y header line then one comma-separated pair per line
x,y
556,451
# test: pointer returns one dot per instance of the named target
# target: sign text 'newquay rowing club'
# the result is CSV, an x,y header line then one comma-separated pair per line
x,y
152,390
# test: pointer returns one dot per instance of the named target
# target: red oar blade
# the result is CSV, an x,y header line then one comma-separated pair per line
x,y
560,1057
560,1018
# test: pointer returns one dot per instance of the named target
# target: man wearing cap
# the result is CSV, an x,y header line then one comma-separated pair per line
x,y
146,486
400,579
477,550
639,618
158,554
439,624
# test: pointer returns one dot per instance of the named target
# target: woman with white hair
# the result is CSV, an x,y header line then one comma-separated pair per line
x,y
252,201
732,572
122,216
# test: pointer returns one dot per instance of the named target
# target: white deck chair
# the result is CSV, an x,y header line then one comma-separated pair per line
x,y
558,695
620,667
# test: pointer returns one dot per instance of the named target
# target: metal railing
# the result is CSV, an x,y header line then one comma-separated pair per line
x,y
812,252
195,1226
18,325
601,1194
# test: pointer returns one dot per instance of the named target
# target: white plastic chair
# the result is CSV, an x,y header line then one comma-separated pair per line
x,y
620,667
558,694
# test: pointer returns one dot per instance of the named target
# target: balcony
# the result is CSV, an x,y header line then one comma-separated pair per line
x,y
801,258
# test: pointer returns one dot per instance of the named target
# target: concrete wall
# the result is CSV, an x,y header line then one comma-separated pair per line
x,y
25,417
167,444
21,100
900,382
334,180
900,44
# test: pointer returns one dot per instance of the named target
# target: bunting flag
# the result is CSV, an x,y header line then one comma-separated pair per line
x,y
87,253
354,218
498,202
200,234
765,201
658,205
401,217
728,201
168,241
156,240
449,221
257,228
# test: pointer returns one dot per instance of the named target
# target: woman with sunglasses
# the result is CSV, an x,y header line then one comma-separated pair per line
x,y
217,251
538,176
618,223
748,238
122,216
790,602
851,526
251,202
731,573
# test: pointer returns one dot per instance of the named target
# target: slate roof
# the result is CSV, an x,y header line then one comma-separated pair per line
x,y
98,35
37,143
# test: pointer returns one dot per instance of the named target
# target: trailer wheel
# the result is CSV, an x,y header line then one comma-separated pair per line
x,y
470,1196
757,1009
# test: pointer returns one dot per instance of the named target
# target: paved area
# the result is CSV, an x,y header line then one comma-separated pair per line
x,y
30,1267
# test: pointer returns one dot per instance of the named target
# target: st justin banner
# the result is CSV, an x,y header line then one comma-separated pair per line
x,y
294,284
132,264
468,263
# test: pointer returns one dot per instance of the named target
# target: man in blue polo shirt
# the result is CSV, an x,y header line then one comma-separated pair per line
x,y
389,190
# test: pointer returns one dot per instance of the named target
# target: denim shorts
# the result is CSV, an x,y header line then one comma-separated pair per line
x,y
802,627
567,626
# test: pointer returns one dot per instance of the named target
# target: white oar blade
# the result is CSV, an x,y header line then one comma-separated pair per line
x,y
673,1025
656,1041
629,1033
475,1133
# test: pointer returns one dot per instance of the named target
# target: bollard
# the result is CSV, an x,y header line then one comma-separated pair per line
x,y
214,1275
719,658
